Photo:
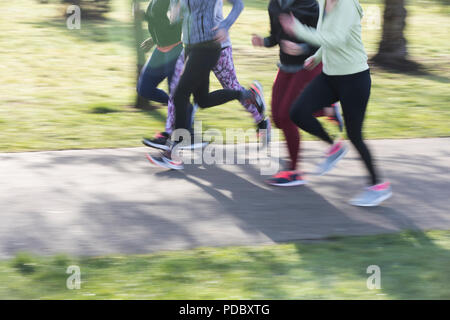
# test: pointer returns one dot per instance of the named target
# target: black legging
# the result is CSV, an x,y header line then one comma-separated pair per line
x,y
200,60
353,92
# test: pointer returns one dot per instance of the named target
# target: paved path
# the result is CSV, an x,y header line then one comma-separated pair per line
x,y
113,201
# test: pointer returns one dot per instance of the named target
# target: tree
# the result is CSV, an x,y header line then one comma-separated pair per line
x,y
140,55
92,9
393,48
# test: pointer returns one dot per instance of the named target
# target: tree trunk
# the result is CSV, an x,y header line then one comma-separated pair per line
x,y
393,49
393,42
140,55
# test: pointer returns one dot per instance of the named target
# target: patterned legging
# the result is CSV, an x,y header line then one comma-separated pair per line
x,y
224,72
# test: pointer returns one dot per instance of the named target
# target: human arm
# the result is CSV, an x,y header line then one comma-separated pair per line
x,y
334,37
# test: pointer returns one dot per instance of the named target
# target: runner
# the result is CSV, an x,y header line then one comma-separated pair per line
x,y
291,78
203,40
161,64
345,77
225,72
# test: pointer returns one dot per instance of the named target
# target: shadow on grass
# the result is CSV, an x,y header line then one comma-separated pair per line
x,y
103,110
423,72
411,265
432,76
153,111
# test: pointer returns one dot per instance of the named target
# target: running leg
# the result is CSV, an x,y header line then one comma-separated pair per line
x,y
281,104
153,73
225,72
354,92
179,67
317,95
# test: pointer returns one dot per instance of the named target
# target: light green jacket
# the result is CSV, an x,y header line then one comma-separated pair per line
x,y
339,37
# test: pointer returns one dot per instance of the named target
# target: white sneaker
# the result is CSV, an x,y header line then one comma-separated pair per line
x,y
373,196
336,153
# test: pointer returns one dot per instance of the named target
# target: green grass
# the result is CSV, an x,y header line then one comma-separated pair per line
x,y
413,265
64,89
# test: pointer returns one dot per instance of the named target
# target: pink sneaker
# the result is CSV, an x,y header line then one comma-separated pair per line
x,y
286,179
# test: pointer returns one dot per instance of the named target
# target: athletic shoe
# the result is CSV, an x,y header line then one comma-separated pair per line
x,y
258,97
337,117
165,160
264,132
336,153
196,142
286,179
373,196
160,141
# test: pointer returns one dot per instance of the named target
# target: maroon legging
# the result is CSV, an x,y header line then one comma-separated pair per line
x,y
286,89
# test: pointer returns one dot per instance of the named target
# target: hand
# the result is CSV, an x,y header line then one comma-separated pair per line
x,y
221,34
291,48
147,45
257,41
289,23
309,64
